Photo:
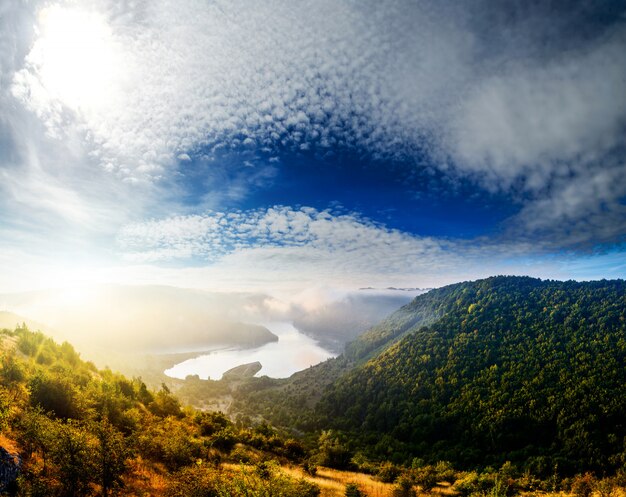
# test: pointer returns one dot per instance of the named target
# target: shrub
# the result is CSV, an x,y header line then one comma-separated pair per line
x,y
605,487
241,455
309,467
72,452
387,472
353,490
56,394
294,450
203,481
223,440
170,442
404,487
583,485
473,483
445,472
426,477
332,451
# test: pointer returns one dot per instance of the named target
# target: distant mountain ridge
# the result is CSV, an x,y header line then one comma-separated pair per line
x,y
11,320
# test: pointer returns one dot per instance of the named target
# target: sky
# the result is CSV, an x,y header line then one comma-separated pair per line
x,y
286,145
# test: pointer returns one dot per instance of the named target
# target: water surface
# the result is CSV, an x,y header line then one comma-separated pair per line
x,y
293,352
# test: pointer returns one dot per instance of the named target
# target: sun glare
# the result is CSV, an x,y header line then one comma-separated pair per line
x,y
76,55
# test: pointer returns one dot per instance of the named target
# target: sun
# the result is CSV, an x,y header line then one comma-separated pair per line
x,y
76,56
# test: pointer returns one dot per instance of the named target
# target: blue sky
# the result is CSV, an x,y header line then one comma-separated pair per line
x,y
288,145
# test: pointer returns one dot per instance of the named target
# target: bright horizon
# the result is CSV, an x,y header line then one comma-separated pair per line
x,y
287,149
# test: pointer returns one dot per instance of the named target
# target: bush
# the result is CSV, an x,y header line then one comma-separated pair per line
x,y
387,472
404,487
473,483
195,481
332,451
56,394
111,456
223,440
165,404
445,472
309,467
12,372
353,490
241,455
583,485
363,464
72,452
265,480
426,477
294,450
605,487
171,442
211,422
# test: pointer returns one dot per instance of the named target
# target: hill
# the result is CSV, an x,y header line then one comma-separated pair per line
x,y
510,368
68,429
101,321
476,373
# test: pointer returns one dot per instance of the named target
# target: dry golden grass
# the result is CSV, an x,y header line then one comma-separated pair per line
x,y
9,444
7,343
333,482
144,480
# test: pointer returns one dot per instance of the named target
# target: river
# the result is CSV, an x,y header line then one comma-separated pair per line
x,y
292,352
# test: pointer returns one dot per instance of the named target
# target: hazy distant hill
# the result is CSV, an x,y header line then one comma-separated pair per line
x,y
10,320
148,318
505,368
140,318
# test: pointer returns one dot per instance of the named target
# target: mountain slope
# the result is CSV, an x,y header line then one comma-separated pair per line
x,y
290,402
70,429
507,369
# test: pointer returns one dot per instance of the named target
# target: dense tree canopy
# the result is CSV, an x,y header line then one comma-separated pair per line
x,y
512,369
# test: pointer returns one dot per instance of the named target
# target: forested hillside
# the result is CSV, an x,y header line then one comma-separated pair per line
x,y
69,429
514,369
291,402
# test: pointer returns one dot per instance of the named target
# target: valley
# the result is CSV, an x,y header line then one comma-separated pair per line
x,y
501,385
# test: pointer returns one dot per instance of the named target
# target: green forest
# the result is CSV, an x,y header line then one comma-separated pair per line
x,y
516,369
479,373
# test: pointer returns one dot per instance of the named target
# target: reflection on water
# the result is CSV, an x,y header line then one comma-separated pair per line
x,y
293,352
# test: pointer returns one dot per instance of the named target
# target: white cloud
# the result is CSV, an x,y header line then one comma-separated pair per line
x,y
539,120
295,248
388,78
234,74
393,79
214,235
586,208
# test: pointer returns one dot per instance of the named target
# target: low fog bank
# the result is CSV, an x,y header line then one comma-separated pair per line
x,y
336,323
160,319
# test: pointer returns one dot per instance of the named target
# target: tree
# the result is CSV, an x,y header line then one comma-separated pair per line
x,y
73,454
111,456
353,490
331,451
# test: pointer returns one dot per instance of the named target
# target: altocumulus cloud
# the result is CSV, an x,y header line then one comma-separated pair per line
x,y
521,97
213,235
325,247
203,76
